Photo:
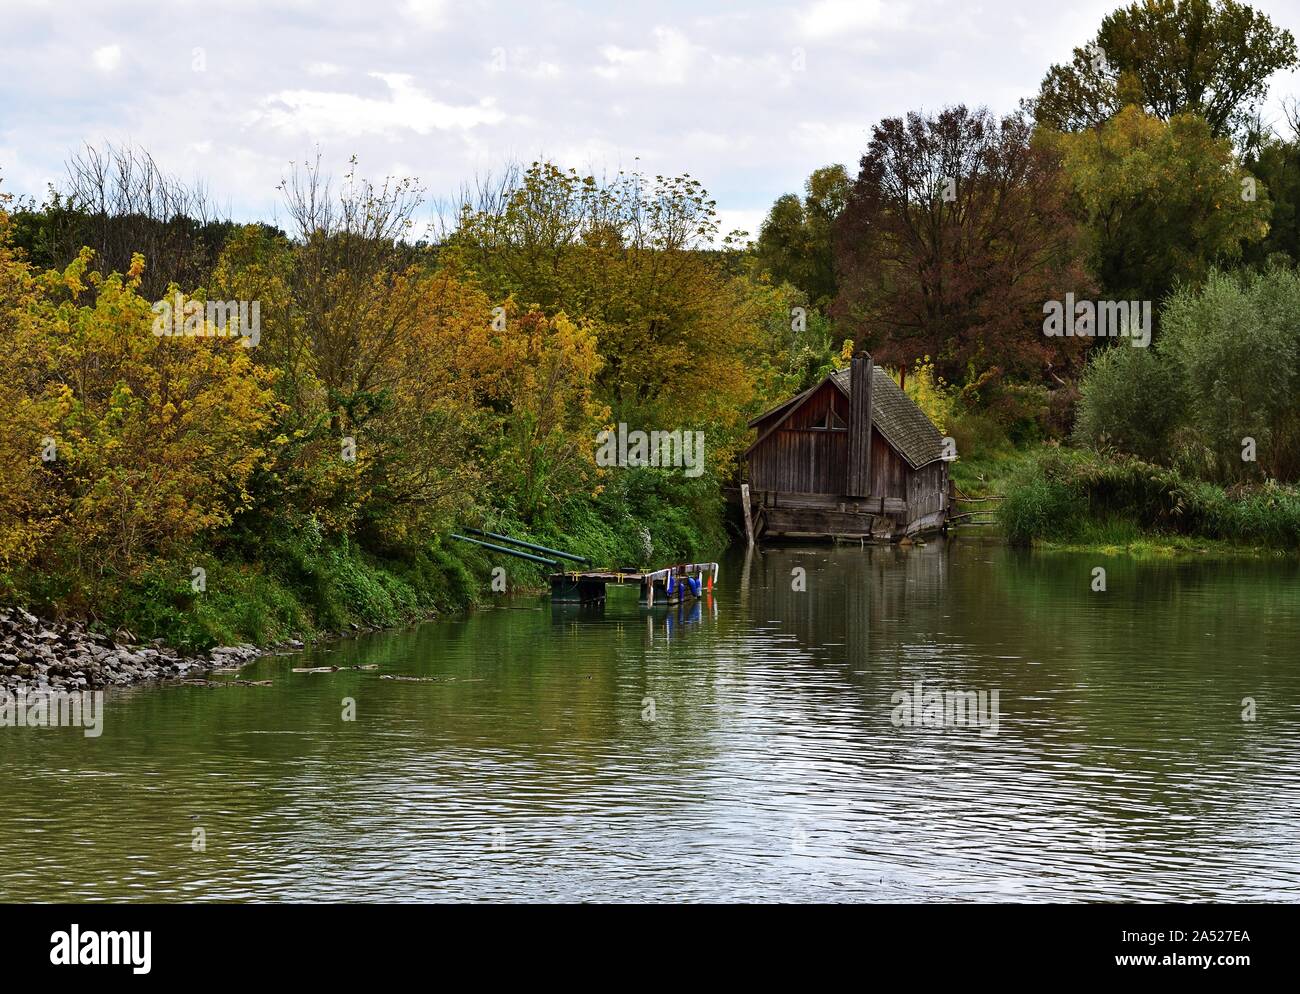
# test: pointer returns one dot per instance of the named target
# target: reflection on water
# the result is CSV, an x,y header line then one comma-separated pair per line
x,y
740,747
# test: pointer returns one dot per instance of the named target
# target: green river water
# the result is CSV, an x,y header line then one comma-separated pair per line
x,y
747,747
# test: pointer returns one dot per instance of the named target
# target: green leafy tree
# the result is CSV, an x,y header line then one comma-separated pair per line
x,y
795,241
1162,202
1212,58
1275,164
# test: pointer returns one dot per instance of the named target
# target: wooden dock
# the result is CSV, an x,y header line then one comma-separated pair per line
x,y
670,585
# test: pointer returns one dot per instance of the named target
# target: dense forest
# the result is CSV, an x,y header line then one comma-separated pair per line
x,y
298,468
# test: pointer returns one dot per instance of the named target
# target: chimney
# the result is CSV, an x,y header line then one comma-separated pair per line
x,y
860,383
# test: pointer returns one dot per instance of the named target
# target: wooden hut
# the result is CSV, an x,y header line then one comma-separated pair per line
x,y
822,467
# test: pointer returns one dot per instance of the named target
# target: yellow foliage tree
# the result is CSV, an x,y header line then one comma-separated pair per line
x,y
29,504
437,359
152,438
636,257
931,393
553,416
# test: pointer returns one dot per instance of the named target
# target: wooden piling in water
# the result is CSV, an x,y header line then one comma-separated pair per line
x,y
749,520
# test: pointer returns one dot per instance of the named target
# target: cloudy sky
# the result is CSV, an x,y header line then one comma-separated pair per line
x,y
747,97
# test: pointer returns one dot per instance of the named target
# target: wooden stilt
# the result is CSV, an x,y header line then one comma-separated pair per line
x,y
749,521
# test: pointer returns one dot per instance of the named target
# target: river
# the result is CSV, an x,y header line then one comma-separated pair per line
x,y
1143,745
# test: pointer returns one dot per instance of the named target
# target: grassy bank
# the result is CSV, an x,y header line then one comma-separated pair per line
x,y
304,585
1081,499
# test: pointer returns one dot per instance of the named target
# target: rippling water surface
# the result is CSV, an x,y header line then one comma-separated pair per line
x,y
743,749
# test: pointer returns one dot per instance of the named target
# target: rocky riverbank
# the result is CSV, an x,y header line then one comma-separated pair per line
x,y
37,654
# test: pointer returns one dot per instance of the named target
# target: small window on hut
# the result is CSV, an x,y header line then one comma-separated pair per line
x,y
830,421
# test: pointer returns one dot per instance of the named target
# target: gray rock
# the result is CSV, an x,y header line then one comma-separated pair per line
x,y
35,653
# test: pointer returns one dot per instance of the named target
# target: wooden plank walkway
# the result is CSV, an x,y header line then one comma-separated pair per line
x,y
669,585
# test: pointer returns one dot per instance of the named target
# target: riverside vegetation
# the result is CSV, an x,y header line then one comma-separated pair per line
x,y
195,489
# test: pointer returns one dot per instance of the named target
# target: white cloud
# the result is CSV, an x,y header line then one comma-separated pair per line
x,y
107,58
669,62
317,113
829,19
594,154
429,14
712,90
831,140
747,221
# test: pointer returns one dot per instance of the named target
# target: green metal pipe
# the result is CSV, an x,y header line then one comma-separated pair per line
x,y
529,545
509,552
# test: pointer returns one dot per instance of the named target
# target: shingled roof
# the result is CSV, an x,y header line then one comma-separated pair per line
x,y
896,416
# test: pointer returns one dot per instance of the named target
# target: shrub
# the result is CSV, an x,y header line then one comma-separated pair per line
x,y
1132,400
932,394
1021,409
1236,346
1062,494
1041,502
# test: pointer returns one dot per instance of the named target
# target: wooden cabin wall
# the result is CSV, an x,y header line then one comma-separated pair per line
x,y
827,397
889,470
926,490
798,458
801,461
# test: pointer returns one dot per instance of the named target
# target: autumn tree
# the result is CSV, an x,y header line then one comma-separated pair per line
x,y
386,352
1161,201
1211,58
675,324
144,442
350,248
550,412
29,502
955,234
